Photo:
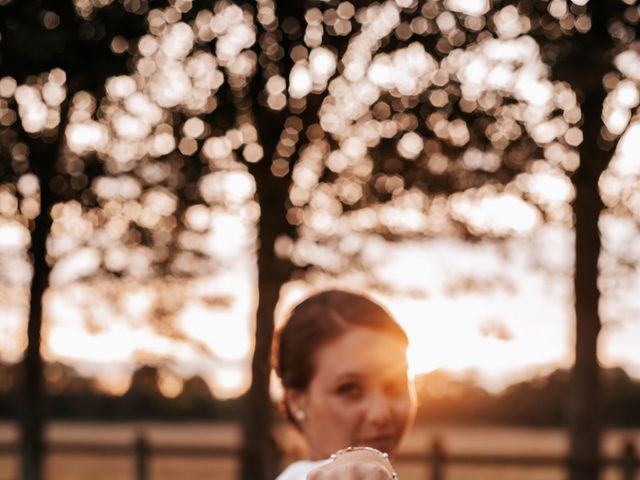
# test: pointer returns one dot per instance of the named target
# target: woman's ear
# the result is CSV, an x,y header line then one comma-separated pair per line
x,y
297,402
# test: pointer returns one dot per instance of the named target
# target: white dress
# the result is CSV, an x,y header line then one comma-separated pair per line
x,y
299,470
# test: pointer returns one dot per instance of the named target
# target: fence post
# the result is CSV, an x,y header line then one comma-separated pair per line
x,y
141,453
437,459
628,460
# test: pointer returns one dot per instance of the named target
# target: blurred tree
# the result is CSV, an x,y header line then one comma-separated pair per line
x,y
441,399
8,390
410,119
487,119
347,123
143,391
588,45
43,62
446,400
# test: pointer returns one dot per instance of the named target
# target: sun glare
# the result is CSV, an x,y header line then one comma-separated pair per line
x,y
226,339
230,382
12,327
469,7
500,214
484,329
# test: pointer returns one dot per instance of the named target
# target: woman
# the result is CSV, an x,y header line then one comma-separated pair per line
x,y
342,361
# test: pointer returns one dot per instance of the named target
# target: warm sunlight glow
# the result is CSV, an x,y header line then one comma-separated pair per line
x,y
33,111
626,161
500,214
86,136
227,340
322,62
300,81
230,382
410,145
12,327
491,325
13,236
114,383
468,7
169,384
73,343
619,182
422,152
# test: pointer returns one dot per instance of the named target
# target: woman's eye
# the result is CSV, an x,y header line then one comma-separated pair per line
x,y
349,390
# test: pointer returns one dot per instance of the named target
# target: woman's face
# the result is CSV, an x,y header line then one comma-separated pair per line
x,y
359,394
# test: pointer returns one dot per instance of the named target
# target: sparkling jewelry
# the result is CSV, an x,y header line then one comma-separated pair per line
x,y
385,455
300,415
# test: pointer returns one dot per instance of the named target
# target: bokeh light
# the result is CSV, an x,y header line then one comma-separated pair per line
x,y
399,121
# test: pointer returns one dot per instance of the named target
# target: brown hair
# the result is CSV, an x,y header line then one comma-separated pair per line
x,y
318,320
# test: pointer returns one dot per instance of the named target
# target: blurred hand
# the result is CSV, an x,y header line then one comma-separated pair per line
x,y
356,465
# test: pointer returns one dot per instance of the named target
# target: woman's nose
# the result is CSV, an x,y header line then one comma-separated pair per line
x,y
379,408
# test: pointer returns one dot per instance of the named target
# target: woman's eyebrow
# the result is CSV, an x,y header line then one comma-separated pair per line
x,y
348,376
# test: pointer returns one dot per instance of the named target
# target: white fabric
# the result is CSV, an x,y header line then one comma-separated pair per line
x,y
299,470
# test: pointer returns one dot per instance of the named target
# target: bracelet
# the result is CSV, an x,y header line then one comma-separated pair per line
x,y
334,456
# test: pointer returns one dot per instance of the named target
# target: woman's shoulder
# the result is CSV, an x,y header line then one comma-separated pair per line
x,y
299,470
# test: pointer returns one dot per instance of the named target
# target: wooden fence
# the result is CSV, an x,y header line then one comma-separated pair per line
x,y
435,458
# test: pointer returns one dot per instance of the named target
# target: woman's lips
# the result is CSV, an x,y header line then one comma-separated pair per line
x,y
382,443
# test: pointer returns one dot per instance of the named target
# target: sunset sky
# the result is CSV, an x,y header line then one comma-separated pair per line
x,y
497,313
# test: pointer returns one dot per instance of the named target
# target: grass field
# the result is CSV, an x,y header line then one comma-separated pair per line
x,y
456,440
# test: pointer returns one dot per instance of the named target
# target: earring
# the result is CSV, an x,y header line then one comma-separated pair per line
x,y
300,415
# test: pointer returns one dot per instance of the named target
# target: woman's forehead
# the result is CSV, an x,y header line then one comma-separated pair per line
x,y
359,335
362,352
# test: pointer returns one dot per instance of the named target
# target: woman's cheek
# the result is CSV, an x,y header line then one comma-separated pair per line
x,y
403,411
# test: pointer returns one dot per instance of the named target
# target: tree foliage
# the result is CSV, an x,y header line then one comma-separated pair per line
x,y
136,135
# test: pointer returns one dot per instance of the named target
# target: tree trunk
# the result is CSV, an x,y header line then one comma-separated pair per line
x,y
260,456
32,448
584,401
589,61
43,158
